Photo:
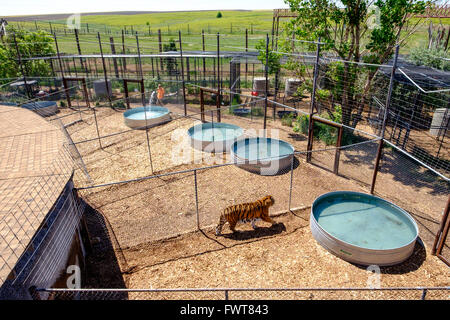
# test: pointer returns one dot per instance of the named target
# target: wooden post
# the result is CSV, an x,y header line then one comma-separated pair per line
x,y
442,234
338,150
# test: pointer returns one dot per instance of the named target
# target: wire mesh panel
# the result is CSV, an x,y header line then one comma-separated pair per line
x,y
356,162
48,250
151,185
139,212
414,187
29,205
432,293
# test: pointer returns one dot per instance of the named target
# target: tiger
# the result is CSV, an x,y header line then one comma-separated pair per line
x,y
246,212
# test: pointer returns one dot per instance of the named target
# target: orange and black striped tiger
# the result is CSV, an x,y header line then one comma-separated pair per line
x,y
246,212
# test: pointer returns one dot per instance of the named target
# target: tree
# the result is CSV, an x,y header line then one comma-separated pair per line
x,y
273,57
30,44
170,62
343,30
273,60
219,15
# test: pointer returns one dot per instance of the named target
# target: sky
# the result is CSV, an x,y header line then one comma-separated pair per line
x,y
30,7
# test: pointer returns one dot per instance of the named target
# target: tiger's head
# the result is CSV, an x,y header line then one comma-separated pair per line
x,y
268,201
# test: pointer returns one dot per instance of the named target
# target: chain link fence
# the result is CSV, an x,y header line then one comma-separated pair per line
x,y
141,195
424,293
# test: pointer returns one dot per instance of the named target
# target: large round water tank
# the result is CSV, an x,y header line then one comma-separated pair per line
x,y
440,121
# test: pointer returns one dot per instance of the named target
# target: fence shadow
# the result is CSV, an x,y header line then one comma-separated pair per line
x,y
103,264
409,173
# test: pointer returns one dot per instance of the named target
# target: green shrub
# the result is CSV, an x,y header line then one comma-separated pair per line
x,y
287,120
434,58
119,105
236,99
324,132
301,124
257,112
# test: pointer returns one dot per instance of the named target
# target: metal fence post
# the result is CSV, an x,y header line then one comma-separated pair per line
x,y
196,199
61,67
424,293
141,72
96,126
290,185
383,128
266,74
182,74
219,79
108,92
312,104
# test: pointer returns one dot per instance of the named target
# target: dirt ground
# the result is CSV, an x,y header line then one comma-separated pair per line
x,y
283,255
154,220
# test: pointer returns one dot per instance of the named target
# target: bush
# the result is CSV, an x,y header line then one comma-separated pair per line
x,y
287,119
301,124
257,112
119,105
434,58
324,132
219,15
236,99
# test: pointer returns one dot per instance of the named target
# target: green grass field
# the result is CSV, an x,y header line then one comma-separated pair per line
x,y
231,26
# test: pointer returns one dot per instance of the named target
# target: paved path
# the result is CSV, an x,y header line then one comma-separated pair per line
x,y
34,168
